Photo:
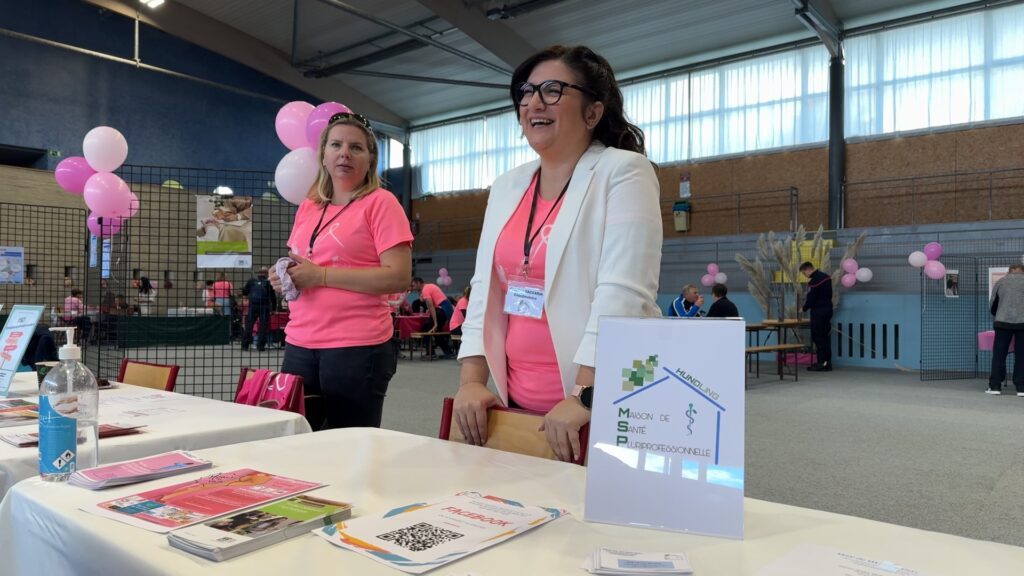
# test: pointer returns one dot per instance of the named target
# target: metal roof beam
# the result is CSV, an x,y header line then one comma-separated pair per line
x,y
819,17
373,40
429,79
495,37
371,58
425,39
201,30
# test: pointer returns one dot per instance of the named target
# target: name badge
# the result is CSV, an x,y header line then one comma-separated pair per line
x,y
525,297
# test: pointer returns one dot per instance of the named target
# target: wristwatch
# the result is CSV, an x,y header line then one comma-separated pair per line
x,y
585,394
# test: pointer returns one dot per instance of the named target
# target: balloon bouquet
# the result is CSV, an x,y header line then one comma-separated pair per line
x,y
714,276
443,279
108,197
299,126
929,260
853,273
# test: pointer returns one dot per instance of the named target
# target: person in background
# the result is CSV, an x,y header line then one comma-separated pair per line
x,y
262,302
687,304
208,300
721,307
459,314
147,297
566,239
352,246
74,313
1007,305
439,310
819,303
222,289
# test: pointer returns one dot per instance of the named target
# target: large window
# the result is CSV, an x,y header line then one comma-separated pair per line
x,y
966,68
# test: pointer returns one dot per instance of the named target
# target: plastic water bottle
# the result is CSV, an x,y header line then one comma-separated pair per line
x,y
53,316
68,415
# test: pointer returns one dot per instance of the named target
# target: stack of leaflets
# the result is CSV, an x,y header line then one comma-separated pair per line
x,y
141,470
422,536
105,431
613,561
244,532
17,412
179,505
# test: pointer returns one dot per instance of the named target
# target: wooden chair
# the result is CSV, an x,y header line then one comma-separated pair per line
x,y
246,373
148,375
510,430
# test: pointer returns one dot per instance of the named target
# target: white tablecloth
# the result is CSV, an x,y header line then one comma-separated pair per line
x,y
42,531
173,422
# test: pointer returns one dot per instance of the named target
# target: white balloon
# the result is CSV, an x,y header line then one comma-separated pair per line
x,y
104,148
296,173
721,278
917,259
864,275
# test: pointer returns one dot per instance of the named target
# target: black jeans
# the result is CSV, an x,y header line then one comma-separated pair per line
x,y
821,329
442,323
1000,348
262,313
348,384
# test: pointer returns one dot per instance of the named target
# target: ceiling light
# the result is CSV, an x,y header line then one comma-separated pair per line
x,y
151,3
223,191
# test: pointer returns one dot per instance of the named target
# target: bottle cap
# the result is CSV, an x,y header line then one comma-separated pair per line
x,y
69,351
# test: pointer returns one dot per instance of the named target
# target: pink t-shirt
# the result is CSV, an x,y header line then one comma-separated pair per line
x,y
222,289
333,317
73,308
432,293
534,381
459,314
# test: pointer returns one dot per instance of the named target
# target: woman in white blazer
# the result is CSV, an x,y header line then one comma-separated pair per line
x,y
566,239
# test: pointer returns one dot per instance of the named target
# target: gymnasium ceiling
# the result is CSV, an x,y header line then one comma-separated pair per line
x,y
368,53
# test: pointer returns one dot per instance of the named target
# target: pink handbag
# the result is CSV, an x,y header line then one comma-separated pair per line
x,y
276,390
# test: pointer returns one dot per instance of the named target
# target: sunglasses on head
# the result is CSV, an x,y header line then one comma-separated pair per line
x,y
357,117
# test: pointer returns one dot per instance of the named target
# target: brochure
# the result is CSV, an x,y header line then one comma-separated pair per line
x,y
422,536
195,501
141,470
105,431
17,412
612,562
244,532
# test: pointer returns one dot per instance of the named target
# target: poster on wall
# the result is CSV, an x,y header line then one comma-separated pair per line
x,y
995,275
952,283
223,232
666,441
12,265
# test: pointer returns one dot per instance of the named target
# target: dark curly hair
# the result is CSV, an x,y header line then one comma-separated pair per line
x,y
595,74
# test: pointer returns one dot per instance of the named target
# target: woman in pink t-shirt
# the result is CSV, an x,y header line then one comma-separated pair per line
x,y
353,247
566,239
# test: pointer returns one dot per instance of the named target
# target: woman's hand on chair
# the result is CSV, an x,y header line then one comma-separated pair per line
x,y
470,411
562,428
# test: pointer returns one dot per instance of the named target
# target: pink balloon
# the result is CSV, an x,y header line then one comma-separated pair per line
x,y
318,120
291,124
848,280
447,280
917,259
71,174
712,268
935,270
106,229
707,280
443,272
296,173
135,205
933,250
850,265
107,195
104,148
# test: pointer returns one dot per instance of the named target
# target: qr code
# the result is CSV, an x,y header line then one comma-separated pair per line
x,y
420,537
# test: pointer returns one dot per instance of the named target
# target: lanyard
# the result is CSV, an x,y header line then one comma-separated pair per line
x,y
528,239
320,224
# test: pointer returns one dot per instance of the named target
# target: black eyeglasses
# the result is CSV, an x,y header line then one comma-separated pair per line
x,y
357,117
550,91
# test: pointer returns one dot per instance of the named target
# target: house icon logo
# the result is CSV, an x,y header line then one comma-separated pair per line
x,y
642,372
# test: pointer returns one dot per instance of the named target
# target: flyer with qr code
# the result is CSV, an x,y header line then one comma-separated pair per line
x,y
419,537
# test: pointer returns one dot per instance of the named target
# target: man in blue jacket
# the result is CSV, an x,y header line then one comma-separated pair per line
x,y
819,303
687,304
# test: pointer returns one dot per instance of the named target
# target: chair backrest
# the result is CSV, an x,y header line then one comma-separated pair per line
x,y
276,390
148,375
510,430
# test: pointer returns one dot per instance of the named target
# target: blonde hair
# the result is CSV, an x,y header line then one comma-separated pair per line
x,y
323,190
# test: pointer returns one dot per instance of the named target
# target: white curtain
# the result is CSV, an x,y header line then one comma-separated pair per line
x,y
961,69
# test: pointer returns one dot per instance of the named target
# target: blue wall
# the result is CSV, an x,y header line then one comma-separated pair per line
x,y
51,97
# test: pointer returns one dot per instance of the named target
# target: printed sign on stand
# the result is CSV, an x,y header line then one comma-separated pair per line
x,y
14,339
666,432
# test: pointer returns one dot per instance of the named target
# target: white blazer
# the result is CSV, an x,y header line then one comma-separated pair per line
x,y
603,259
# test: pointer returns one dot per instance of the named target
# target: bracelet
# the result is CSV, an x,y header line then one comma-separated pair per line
x,y
325,276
